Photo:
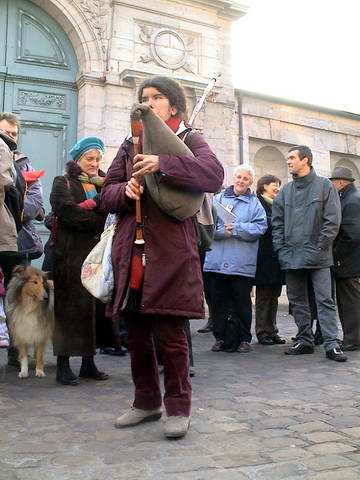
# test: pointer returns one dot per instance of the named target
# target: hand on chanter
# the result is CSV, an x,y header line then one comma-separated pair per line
x,y
133,189
144,164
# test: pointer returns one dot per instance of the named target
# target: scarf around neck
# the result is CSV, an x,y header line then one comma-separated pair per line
x,y
89,184
267,199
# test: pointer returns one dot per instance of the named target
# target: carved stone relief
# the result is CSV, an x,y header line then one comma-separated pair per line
x,y
167,47
96,12
41,99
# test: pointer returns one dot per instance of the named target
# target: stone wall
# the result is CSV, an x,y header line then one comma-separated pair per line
x,y
120,42
271,126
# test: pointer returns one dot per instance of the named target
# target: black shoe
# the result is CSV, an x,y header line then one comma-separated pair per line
x,y
336,354
266,341
206,328
119,351
89,370
64,374
300,349
278,340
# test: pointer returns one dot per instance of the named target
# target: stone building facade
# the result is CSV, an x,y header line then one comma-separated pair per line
x,y
120,42
270,126
71,68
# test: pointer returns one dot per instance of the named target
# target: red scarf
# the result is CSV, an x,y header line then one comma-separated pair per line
x,y
173,123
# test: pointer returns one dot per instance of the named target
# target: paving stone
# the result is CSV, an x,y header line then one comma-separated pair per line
x,y
289,453
332,447
320,437
327,462
311,427
343,474
343,422
352,431
272,432
283,471
282,442
247,423
233,427
177,465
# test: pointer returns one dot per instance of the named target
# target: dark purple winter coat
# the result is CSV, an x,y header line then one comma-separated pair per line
x,y
172,281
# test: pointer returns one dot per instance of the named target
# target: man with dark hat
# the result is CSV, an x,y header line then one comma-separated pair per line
x,y
346,249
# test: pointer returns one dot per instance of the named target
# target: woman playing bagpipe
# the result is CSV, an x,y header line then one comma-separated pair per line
x,y
158,281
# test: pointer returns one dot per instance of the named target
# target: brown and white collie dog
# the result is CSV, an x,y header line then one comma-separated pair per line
x,y
29,307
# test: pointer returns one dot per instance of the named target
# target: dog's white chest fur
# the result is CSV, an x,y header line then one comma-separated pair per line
x,y
27,329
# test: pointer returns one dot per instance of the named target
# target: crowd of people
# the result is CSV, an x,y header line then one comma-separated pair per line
x,y
304,234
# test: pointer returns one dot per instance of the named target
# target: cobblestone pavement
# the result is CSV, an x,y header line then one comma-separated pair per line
x,y
258,416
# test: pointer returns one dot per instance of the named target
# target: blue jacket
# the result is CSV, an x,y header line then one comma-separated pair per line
x,y
236,255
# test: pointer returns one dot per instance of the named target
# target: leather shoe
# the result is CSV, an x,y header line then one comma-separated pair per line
x,y
118,351
134,416
93,374
244,347
266,341
278,340
207,328
218,346
176,427
336,354
300,349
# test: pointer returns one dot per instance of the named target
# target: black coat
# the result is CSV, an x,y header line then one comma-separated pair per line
x,y
347,243
268,272
78,231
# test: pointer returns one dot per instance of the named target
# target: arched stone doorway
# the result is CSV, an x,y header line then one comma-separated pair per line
x,y
38,71
270,160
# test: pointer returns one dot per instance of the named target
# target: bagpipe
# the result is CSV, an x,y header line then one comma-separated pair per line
x,y
157,139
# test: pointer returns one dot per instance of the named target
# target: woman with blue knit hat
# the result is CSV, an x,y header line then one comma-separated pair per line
x,y
80,222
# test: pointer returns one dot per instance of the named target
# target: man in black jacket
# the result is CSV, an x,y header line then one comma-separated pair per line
x,y
305,219
346,268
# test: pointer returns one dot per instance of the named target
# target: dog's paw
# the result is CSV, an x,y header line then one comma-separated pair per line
x,y
40,373
23,374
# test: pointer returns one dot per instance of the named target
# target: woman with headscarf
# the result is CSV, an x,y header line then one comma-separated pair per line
x,y
171,290
79,223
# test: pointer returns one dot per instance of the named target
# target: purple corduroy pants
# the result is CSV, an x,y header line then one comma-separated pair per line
x,y
173,343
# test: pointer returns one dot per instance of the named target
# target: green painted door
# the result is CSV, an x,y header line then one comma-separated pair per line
x,y
38,70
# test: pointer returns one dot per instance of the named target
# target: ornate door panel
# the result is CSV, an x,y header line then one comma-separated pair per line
x,y
38,69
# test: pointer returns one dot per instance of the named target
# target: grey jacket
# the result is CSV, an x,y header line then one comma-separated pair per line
x,y
306,217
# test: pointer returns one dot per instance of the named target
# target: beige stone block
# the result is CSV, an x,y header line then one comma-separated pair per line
x,y
353,144
341,474
309,427
330,447
353,431
258,127
322,437
328,461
